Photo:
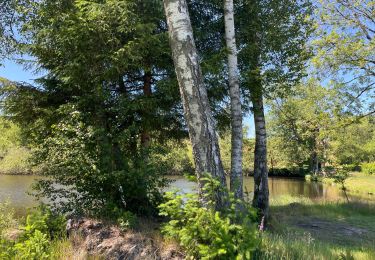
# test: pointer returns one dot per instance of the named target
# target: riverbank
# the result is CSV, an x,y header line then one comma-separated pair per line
x,y
300,228
358,183
16,173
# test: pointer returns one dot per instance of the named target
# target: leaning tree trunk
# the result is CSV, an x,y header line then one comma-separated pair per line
x,y
236,178
197,111
261,193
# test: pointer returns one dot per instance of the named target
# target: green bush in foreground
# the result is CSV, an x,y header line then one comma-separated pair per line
x,y
208,234
127,221
40,230
368,168
35,247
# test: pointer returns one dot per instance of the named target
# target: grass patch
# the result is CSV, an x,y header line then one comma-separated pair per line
x,y
70,248
294,245
357,184
361,183
305,229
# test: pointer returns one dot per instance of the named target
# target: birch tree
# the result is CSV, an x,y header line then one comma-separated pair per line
x,y
198,116
272,35
236,179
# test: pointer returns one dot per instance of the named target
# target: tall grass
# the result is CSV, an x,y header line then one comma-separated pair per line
x,y
292,246
7,219
70,248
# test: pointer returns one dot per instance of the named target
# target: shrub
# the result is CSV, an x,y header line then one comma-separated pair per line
x,y
13,156
340,177
368,168
127,221
40,228
280,172
352,167
314,178
36,247
44,220
206,233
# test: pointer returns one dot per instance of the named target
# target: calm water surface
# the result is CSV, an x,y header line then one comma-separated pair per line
x,y
15,188
277,186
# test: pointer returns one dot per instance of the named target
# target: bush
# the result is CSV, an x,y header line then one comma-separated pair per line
x,y
127,221
340,177
352,167
368,168
36,247
206,233
283,172
41,227
314,178
53,225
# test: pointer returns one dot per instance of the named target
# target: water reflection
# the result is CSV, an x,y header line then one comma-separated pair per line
x,y
14,189
282,186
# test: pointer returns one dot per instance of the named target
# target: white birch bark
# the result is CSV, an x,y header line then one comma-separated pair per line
x,y
198,116
236,178
261,190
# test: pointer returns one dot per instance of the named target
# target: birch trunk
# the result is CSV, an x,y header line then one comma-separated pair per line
x,y
198,116
236,178
261,193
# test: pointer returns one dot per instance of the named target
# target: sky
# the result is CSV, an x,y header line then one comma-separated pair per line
x,y
16,72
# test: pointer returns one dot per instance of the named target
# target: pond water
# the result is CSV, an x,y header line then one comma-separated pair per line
x,y
277,186
15,188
